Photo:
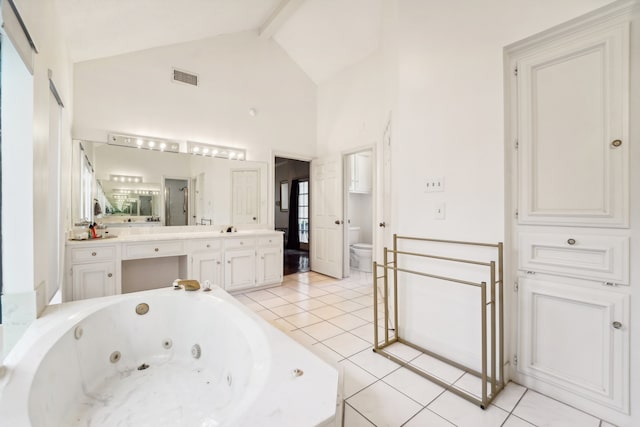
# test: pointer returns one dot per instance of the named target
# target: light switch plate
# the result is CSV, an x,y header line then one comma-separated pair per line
x,y
434,184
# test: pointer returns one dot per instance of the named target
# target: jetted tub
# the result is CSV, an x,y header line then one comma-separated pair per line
x,y
163,358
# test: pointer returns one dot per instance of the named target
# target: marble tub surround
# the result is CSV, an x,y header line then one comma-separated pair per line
x,y
98,362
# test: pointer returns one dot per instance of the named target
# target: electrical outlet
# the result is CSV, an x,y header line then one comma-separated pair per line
x,y
435,184
438,211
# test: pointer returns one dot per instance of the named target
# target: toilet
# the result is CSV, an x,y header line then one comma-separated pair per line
x,y
359,253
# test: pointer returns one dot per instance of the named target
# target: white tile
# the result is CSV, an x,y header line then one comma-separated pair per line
x,y
302,319
542,410
301,337
348,294
253,306
348,321
384,405
402,351
365,313
332,288
242,298
323,330
326,353
365,300
281,290
330,299
413,385
260,295
355,378
348,306
508,398
310,304
353,419
426,418
514,421
315,292
283,325
287,310
295,297
437,368
374,363
463,413
606,424
267,315
326,312
365,332
346,344
273,302
472,384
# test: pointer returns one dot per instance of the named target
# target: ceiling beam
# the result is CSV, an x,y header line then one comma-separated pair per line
x,y
280,15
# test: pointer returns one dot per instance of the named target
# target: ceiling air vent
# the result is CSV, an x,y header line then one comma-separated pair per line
x,y
185,77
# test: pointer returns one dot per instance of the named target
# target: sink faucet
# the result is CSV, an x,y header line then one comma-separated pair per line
x,y
189,285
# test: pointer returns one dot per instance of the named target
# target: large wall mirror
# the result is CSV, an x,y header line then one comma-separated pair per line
x,y
128,186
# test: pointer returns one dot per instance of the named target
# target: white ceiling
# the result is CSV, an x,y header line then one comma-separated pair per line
x,y
321,36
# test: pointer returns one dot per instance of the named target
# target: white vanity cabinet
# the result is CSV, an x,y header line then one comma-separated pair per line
x,y
233,261
269,261
206,261
93,272
240,263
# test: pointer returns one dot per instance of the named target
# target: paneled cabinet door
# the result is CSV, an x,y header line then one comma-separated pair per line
x,y
207,266
572,133
576,338
269,264
93,280
239,269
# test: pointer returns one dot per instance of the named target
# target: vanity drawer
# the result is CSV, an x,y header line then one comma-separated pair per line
x,y
593,257
205,245
270,240
243,242
95,253
154,249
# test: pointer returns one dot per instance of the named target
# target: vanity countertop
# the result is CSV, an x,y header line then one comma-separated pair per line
x,y
174,233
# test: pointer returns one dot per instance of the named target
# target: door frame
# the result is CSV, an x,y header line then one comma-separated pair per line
x,y
345,203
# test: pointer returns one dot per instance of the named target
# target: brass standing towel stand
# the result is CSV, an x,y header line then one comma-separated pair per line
x,y
494,349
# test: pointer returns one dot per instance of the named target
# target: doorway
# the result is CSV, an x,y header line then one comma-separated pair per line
x,y
359,210
176,201
291,212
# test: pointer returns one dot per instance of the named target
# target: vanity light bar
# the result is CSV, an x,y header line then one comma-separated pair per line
x,y
144,142
135,191
209,150
126,178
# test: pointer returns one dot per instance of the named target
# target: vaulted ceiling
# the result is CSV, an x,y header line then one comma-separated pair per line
x,y
321,36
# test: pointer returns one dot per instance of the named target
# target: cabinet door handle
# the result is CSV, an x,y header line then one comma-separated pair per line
x,y
93,254
156,249
383,224
616,325
110,275
571,242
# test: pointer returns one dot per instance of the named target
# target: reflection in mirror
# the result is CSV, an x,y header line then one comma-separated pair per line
x,y
128,186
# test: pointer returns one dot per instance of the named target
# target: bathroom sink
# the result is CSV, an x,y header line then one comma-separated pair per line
x,y
103,237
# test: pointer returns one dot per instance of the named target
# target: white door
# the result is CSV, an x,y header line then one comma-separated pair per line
x,y
245,196
327,224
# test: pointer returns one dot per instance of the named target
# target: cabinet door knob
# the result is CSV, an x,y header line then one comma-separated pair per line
x,y
616,325
110,275
229,262
242,243
571,242
616,143
208,246
93,254
156,249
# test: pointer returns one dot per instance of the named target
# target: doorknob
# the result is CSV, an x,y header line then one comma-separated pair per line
x,y
337,222
383,224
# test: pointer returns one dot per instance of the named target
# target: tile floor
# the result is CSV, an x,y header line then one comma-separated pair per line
x,y
334,318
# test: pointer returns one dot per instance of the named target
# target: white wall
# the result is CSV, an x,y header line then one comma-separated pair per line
x,y
32,242
133,93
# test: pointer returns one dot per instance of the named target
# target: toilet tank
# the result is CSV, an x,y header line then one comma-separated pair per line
x,y
354,234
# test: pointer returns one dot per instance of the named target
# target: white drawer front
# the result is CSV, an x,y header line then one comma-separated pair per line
x,y
239,243
95,253
593,257
205,245
270,240
154,249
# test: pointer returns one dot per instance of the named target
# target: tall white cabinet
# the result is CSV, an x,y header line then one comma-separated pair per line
x,y
568,105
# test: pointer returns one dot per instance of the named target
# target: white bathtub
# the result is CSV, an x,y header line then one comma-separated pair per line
x,y
194,359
